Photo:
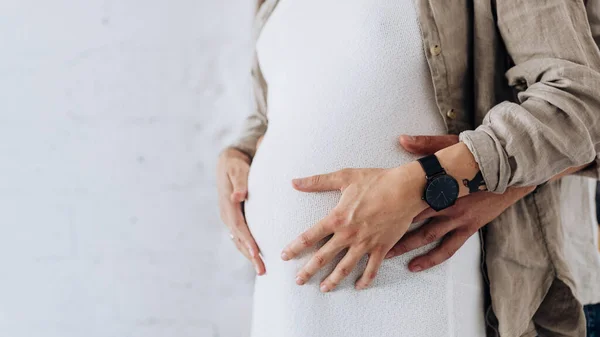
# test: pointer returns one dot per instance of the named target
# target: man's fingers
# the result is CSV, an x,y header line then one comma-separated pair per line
x,y
323,182
375,260
323,256
427,144
426,214
441,253
239,183
422,236
343,269
306,239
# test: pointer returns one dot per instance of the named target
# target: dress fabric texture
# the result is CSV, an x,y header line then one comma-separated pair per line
x,y
344,82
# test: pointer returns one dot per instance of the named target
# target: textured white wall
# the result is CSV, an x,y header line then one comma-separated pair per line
x,y
111,116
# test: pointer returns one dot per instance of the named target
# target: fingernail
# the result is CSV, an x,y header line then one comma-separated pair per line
x,y
360,286
257,270
284,256
297,182
416,268
324,288
299,281
388,255
410,138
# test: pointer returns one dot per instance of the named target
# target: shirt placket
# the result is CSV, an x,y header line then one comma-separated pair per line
x,y
453,115
451,110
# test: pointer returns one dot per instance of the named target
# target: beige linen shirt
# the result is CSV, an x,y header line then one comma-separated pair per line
x,y
519,81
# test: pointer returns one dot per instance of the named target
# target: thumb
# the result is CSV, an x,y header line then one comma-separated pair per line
x,y
427,144
239,182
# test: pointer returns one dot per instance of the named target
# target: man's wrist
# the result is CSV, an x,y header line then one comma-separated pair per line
x,y
459,163
456,160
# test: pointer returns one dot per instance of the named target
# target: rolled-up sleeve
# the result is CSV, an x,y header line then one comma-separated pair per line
x,y
593,11
556,123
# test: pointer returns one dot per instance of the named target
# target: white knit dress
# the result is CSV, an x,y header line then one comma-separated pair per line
x,y
344,81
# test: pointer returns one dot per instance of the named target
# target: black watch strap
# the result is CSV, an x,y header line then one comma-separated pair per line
x,y
431,165
476,184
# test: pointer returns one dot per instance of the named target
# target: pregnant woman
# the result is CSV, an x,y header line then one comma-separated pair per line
x,y
340,91
337,83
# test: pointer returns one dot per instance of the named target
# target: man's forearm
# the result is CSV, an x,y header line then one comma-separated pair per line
x,y
460,163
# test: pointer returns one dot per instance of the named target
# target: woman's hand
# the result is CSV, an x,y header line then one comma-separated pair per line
x,y
454,225
374,212
232,185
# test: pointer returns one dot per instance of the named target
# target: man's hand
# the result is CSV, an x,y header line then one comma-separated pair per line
x,y
454,225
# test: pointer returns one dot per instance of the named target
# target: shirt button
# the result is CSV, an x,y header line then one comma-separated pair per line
x,y
435,49
451,114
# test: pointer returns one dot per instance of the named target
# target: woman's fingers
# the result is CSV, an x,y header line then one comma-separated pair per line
x,y
259,265
342,270
422,236
307,239
323,256
232,187
241,231
375,260
441,253
241,247
323,182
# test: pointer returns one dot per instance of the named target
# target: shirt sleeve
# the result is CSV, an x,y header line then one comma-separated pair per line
x,y
255,124
593,12
556,122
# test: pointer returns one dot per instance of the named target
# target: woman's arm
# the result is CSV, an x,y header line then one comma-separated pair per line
x,y
232,176
255,124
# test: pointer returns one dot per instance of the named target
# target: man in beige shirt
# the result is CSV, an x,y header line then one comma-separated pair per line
x,y
543,119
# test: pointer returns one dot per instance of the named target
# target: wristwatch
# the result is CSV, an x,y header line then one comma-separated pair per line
x,y
441,190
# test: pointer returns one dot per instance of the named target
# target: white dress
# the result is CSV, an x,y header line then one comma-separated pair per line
x,y
344,81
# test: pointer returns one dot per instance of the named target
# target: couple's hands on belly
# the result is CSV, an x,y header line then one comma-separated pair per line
x,y
232,187
375,210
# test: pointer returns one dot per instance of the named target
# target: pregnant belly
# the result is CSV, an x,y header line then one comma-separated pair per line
x,y
277,213
398,302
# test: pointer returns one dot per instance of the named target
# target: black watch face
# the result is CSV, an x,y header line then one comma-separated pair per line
x,y
441,192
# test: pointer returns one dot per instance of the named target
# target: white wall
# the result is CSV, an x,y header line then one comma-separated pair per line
x,y
111,116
